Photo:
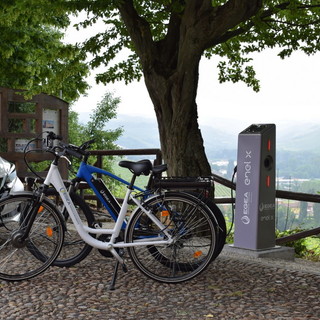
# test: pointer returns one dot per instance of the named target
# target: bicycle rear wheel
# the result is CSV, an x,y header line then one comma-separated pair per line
x,y
20,260
194,232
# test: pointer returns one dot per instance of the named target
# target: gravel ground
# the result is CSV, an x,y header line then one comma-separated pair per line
x,y
233,287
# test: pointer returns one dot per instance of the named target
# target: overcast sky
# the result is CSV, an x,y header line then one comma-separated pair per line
x,y
289,91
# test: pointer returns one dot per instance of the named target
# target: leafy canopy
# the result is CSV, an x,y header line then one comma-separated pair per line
x,y
286,25
33,56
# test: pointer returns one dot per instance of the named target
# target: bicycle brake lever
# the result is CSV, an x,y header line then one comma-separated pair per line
x,y
64,157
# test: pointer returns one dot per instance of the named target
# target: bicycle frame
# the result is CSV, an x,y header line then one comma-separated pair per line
x,y
85,172
53,177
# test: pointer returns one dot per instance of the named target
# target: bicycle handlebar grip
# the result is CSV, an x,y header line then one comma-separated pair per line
x,y
74,153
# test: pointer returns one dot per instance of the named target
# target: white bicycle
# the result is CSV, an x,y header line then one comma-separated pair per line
x,y
170,236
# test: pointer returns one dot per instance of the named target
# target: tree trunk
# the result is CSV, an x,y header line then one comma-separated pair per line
x,y
170,67
176,110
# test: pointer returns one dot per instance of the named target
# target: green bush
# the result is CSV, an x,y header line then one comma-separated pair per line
x,y
306,248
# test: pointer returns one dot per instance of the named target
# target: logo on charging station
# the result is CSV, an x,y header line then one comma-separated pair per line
x,y
247,199
266,206
247,196
247,168
245,220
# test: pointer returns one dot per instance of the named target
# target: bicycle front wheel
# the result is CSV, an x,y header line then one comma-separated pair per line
x,y
192,227
24,259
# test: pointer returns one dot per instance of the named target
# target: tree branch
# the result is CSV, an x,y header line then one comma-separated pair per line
x,y
231,34
221,19
139,31
168,47
265,14
292,24
284,6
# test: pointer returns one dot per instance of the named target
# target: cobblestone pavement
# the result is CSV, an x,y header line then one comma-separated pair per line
x,y
232,287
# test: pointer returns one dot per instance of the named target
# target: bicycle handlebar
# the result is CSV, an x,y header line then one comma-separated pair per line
x,y
67,149
71,151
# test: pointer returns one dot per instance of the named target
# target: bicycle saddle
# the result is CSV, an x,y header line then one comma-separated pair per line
x,y
138,168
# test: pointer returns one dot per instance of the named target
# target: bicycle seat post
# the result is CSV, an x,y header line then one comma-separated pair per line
x,y
133,180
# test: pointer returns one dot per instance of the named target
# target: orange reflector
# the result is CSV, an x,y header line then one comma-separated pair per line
x,y
40,209
164,213
49,232
269,144
197,254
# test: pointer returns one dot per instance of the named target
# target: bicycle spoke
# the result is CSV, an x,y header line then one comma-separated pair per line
x,y
6,259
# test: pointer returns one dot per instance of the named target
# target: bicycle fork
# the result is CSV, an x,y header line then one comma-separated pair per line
x,y
27,217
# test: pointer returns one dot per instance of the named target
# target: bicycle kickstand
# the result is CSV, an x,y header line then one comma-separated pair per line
x,y
115,274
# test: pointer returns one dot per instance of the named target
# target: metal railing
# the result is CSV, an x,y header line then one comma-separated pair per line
x,y
127,152
280,194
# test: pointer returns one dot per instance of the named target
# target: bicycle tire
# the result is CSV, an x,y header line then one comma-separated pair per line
x,y
194,231
222,228
74,249
17,259
220,221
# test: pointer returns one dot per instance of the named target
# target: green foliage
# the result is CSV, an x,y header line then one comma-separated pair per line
x,y
307,248
299,245
30,38
162,40
32,54
230,230
287,25
95,128
33,57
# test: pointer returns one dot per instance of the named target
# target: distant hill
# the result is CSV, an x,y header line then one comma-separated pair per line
x,y
299,137
298,144
139,133
142,132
